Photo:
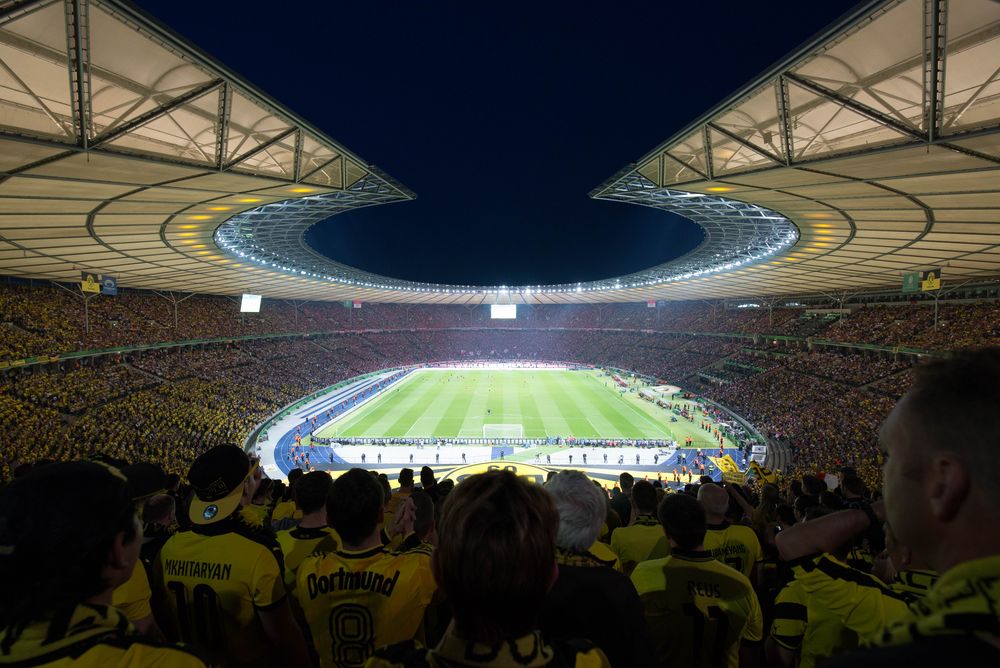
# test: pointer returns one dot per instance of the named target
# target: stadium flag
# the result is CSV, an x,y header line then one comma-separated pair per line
x,y
356,303
763,474
650,303
109,285
911,282
725,464
930,280
90,282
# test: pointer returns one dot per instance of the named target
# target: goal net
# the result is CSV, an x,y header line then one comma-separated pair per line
x,y
501,431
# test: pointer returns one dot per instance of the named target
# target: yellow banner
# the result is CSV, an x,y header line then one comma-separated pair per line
x,y
726,464
763,474
90,282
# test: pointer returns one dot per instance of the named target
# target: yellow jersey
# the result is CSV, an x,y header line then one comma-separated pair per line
x,y
215,578
643,539
913,584
859,602
810,629
355,601
93,636
697,609
734,545
963,602
133,596
286,510
298,543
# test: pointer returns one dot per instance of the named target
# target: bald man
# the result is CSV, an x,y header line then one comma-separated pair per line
x,y
733,544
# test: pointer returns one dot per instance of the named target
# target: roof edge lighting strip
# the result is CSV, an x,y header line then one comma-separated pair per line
x,y
736,234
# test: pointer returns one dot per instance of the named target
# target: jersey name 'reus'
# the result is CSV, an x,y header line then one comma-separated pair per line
x,y
704,589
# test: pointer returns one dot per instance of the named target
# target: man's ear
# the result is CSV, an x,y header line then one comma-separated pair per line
x,y
118,556
948,486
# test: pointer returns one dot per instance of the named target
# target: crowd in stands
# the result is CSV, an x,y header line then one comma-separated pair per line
x,y
178,401
44,319
220,567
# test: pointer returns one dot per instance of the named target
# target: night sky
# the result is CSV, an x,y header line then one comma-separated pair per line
x,y
500,116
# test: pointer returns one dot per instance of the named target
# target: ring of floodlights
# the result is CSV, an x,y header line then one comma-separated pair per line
x,y
736,234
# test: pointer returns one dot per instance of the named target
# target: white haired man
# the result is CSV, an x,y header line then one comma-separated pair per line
x,y
590,599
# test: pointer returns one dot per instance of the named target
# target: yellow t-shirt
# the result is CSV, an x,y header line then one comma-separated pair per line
x,y
734,545
811,629
698,609
859,602
354,602
133,596
215,578
643,539
94,636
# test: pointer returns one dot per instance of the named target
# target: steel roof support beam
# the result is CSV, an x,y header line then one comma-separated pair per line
x,y
159,112
753,147
78,60
935,39
855,106
257,149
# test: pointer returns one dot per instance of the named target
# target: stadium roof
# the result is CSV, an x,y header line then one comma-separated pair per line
x,y
872,151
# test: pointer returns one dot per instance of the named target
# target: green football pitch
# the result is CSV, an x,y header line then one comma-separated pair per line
x,y
457,403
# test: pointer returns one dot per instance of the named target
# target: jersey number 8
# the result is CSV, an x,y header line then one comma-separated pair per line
x,y
353,633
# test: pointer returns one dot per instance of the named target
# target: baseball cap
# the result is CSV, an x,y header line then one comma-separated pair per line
x,y
217,478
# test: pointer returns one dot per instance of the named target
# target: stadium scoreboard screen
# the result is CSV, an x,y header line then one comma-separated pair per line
x,y
250,304
503,311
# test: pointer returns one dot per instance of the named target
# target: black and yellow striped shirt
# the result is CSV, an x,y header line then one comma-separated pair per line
x,y
92,636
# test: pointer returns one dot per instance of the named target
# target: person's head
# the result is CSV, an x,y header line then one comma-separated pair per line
x,y
222,480
942,475
802,504
769,495
406,478
683,521
68,535
644,497
354,506
581,507
853,486
705,480
293,477
383,480
263,494
495,557
423,514
625,481
427,477
160,509
311,491
715,500
812,485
